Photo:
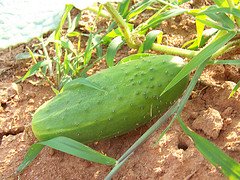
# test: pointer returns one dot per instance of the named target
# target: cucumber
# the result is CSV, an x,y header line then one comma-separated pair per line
x,y
127,96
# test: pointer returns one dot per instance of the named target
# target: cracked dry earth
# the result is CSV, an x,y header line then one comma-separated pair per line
x,y
209,112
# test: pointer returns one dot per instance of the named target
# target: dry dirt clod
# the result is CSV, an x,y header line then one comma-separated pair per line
x,y
31,101
9,91
210,122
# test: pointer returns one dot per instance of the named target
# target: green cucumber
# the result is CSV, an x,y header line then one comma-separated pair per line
x,y
125,97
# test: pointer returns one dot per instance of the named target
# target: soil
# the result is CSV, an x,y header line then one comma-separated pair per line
x,y
209,112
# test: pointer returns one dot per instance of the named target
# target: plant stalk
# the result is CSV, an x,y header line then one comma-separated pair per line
x,y
228,47
174,50
121,24
101,13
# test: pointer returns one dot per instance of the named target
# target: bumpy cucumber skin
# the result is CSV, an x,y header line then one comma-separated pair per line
x,y
131,98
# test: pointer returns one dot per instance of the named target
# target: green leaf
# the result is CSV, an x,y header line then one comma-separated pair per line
x,y
150,39
230,62
97,44
228,166
67,44
161,17
35,68
69,146
114,33
124,8
206,53
221,3
74,34
139,9
223,19
234,89
78,149
200,28
81,81
112,50
88,50
211,23
215,10
74,24
206,35
57,35
32,153
182,1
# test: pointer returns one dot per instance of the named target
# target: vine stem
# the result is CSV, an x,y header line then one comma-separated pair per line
x,y
121,24
174,50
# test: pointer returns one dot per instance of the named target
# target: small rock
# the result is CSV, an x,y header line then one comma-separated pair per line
x,y
13,89
30,101
210,122
226,123
31,95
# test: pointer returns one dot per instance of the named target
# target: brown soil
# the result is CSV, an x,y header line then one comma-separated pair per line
x,y
209,112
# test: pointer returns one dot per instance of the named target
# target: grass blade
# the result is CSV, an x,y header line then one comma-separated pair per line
x,y
213,154
206,53
234,89
150,38
112,49
124,8
69,146
200,28
156,21
34,69
74,24
139,9
78,149
32,153
221,3
229,62
97,43
88,50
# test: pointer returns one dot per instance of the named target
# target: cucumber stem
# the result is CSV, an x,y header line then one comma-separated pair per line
x,y
121,24
174,50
